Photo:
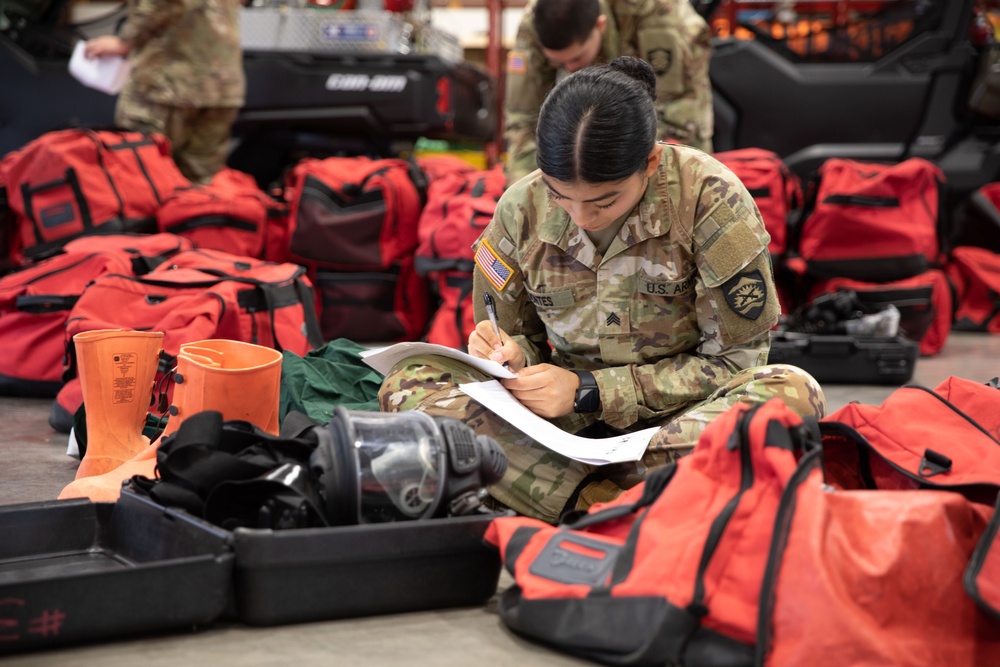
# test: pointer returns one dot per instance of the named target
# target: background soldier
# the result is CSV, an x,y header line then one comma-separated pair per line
x,y
187,79
557,37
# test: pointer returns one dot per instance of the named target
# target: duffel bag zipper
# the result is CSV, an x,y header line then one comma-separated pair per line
x,y
862,200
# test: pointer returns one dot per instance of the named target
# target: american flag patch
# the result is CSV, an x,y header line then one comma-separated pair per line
x,y
494,268
515,62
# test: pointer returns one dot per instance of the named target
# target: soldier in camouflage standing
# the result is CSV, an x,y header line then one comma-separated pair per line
x,y
557,37
187,78
633,289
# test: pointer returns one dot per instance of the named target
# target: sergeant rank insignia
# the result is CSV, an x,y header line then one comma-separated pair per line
x,y
746,294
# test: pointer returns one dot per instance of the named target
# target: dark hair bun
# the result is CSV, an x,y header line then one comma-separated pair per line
x,y
637,69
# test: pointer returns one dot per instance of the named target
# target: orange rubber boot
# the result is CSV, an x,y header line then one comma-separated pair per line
x,y
240,380
116,368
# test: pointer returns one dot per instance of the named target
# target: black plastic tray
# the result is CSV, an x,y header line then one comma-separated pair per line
x,y
847,359
315,574
74,571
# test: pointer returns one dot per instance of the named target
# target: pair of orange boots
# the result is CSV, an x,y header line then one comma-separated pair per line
x,y
117,370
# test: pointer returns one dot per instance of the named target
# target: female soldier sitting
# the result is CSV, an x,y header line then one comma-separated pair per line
x,y
633,289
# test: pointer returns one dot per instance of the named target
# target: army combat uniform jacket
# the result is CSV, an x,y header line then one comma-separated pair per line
x,y
668,34
682,300
185,53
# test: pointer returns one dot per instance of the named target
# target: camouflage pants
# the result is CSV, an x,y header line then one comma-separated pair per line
x,y
199,137
541,483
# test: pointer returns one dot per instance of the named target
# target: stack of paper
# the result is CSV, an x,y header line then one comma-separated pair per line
x,y
495,397
106,74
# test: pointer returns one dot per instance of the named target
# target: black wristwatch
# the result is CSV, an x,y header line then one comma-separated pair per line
x,y
588,396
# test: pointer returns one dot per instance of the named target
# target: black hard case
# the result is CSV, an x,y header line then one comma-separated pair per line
x,y
311,574
74,571
847,359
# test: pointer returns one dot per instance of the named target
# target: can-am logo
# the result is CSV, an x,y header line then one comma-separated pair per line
x,y
380,83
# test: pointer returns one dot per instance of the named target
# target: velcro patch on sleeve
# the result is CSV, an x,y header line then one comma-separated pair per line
x,y
497,271
731,249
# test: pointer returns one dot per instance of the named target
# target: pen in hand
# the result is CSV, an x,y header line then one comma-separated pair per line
x,y
491,311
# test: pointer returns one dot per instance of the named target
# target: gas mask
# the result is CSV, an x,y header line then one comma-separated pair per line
x,y
361,467
374,467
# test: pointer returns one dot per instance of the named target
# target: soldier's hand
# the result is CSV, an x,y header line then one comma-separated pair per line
x,y
483,343
106,45
545,389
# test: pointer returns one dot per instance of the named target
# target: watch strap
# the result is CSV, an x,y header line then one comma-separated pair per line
x,y
588,396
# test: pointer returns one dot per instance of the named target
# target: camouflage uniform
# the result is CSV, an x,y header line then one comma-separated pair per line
x,y
669,34
187,78
673,322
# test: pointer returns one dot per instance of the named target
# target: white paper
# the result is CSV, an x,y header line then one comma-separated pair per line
x,y
596,451
384,358
106,74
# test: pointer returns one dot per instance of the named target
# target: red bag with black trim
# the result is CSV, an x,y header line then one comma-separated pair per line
x,y
873,222
774,188
975,275
231,214
455,318
374,306
198,294
942,438
353,213
924,304
72,183
459,207
35,303
740,554
439,166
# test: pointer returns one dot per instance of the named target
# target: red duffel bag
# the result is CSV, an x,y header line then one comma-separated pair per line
x,y
740,554
873,222
36,301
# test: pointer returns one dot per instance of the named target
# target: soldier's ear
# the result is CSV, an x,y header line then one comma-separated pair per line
x,y
602,23
653,160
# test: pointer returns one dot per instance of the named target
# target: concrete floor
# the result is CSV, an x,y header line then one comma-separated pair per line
x,y
34,467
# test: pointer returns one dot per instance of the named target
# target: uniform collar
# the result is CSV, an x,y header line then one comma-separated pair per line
x,y
651,217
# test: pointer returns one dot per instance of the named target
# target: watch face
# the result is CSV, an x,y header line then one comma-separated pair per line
x,y
587,400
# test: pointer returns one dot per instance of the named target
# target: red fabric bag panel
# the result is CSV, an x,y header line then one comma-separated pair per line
x,y
71,183
975,274
231,214
353,214
873,222
454,320
459,207
35,303
374,306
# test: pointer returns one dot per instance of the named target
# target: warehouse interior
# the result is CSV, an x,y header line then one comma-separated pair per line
x,y
866,133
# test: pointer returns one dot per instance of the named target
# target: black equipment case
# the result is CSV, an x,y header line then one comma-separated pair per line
x,y
73,571
310,574
847,359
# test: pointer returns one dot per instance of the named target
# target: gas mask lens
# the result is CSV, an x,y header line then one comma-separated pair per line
x,y
400,464
375,467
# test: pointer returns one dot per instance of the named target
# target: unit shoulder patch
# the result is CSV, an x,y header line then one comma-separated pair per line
x,y
746,294
660,60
